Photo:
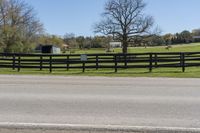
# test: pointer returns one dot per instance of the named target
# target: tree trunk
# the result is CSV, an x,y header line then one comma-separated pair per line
x,y
125,47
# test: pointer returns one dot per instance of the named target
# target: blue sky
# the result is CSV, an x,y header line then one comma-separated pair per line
x,y
78,16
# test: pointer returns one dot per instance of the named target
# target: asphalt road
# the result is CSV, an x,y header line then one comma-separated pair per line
x,y
160,102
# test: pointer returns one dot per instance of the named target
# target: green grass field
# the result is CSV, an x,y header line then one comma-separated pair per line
x,y
193,72
193,47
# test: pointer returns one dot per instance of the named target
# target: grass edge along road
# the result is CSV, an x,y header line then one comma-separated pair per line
x,y
193,72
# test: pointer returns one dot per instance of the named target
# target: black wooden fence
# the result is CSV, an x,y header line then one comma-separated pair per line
x,y
97,61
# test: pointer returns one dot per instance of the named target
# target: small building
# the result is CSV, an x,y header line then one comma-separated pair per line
x,y
196,38
115,44
38,48
48,49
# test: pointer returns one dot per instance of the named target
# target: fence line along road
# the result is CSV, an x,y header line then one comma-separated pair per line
x,y
52,62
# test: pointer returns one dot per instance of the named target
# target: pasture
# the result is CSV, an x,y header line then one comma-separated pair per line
x,y
175,71
192,47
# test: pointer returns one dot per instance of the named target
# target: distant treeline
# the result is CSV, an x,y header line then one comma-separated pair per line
x,y
168,39
183,37
152,40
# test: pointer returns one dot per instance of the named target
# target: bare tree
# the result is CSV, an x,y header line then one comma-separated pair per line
x,y
124,19
18,25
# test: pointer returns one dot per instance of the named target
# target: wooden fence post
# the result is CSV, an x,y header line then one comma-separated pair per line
x,y
13,61
150,62
125,61
115,59
182,61
41,62
67,62
156,59
19,63
83,59
83,66
50,63
97,62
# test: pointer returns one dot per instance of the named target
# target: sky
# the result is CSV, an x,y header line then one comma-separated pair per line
x,y
79,16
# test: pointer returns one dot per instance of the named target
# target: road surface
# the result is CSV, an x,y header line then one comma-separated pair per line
x,y
153,102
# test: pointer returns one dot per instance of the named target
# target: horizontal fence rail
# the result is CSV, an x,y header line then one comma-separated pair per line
x,y
97,61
